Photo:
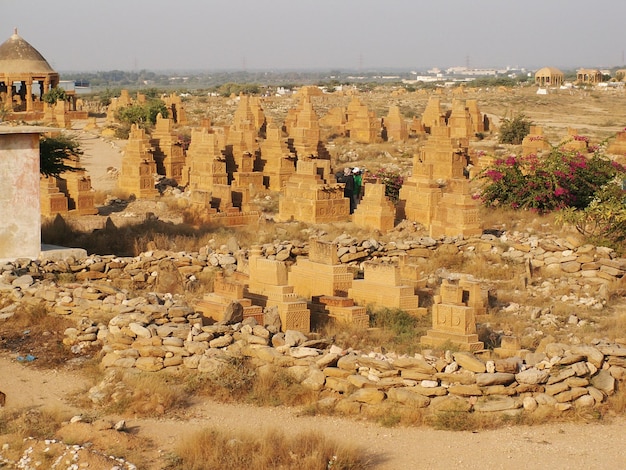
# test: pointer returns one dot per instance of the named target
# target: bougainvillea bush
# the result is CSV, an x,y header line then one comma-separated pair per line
x,y
392,180
555,181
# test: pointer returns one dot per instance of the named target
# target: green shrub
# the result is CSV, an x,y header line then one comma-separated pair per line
x,y
513,131
142,114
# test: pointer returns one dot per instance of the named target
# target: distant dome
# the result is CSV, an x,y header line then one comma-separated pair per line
x,y
549,71
18,57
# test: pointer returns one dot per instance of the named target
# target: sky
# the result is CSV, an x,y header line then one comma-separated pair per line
x,y
273,35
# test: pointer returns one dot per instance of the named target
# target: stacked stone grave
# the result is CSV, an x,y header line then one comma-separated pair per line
x,y
138,166
156,331
168,151
324,282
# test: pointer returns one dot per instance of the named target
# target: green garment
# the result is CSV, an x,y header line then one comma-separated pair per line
x,y
358,182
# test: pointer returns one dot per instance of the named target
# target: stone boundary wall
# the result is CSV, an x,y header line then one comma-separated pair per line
x,y
152,331
558,376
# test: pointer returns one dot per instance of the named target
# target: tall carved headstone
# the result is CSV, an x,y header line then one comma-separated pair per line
x,y
454,316
168,150
138,166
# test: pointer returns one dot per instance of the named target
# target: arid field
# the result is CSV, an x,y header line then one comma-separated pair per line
x,y
63,406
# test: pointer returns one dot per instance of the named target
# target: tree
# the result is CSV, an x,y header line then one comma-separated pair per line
x,y
54,95
142,114
54,153
513,131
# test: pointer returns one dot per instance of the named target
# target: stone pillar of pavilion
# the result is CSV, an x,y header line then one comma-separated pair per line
x,y
138,166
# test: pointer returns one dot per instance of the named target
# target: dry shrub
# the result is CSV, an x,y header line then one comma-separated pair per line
x,y
464,421
237,379
33,330
145,394
32,422
613,325
511,220
211,448
391,329
278,387
231,381
616,403
390,414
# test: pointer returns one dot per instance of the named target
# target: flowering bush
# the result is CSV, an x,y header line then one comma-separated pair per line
x,y
392,180
559,180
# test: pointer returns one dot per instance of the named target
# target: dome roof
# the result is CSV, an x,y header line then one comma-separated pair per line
x,y
549,71
18,57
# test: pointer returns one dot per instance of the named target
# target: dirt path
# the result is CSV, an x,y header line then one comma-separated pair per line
x,y
554,446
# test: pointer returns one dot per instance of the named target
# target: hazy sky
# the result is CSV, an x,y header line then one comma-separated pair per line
x,y
92,35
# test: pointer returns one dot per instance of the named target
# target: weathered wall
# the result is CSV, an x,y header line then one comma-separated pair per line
x,y
20,229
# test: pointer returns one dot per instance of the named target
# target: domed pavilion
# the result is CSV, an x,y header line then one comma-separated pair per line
x,y
21,67
549,76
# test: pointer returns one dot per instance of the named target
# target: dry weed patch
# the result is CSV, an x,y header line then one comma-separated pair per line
x,y
393,329
131,393
35,333
211,448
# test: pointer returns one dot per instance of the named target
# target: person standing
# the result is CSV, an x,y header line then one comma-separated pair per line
x,y
348,189
357,177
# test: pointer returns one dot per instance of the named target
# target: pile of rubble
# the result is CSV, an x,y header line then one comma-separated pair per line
x,y
153,331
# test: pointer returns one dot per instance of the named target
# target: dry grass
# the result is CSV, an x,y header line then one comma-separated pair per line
x,y
389,414
134,393
211,448
277,387
391,329
463,421
37,423
238,380
33,330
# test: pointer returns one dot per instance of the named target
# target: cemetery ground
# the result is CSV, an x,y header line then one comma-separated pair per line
x,y
164,419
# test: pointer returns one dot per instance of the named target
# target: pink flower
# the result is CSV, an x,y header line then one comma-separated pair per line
x,y
560,191
495,175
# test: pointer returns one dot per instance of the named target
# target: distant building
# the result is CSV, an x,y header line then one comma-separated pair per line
x,y
591,76
549,76
24,76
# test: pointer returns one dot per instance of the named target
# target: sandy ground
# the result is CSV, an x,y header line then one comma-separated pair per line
x,y
100,155
554,446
